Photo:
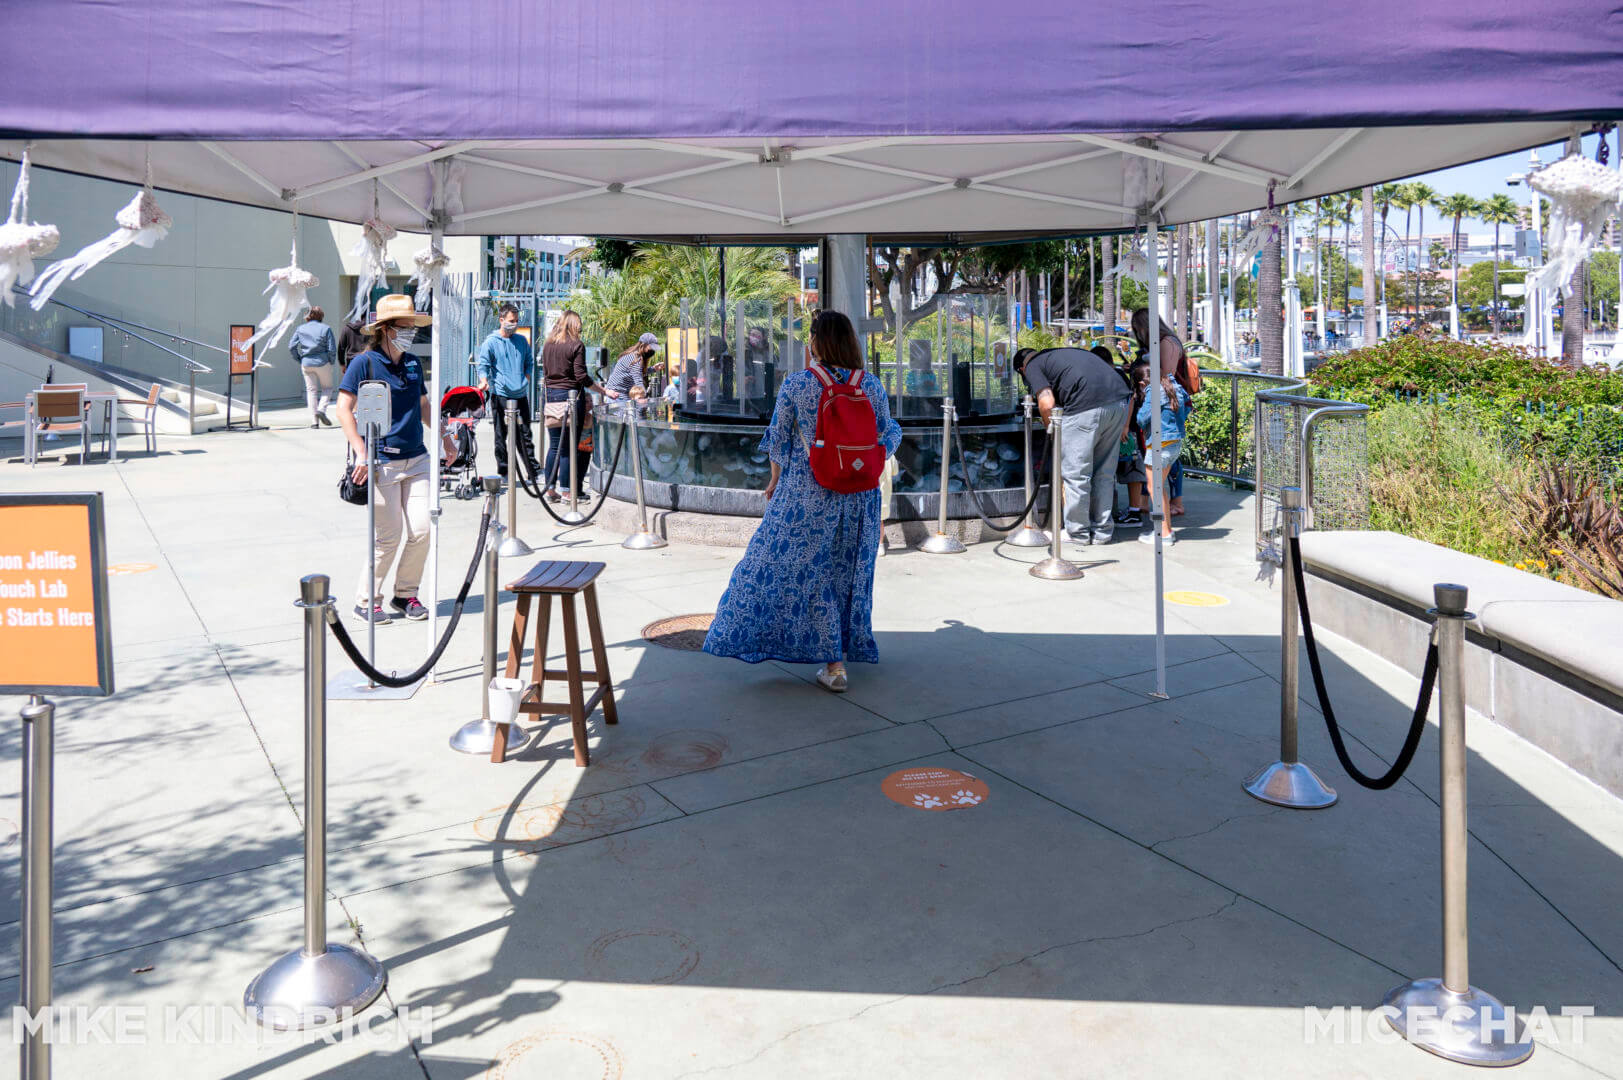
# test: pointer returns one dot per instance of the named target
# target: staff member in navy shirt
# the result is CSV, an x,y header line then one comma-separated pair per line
x,y
402,480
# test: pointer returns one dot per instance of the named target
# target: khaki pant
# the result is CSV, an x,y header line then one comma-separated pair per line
x,y
402,505
317,389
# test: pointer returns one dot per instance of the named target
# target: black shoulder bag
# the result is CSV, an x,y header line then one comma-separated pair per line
x,y
348,489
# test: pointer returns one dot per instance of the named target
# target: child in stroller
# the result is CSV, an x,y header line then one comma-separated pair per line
x,y
461,409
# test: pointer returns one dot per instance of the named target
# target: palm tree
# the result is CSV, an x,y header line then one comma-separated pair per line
x,y
1421,195
1270,331
1456,207
1499,210
1371,328
1387,196
1406,201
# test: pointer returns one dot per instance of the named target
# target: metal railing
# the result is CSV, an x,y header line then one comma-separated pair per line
x,y
23,322
1224,451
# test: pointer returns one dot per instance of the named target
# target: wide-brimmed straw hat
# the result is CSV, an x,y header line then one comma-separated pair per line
x,y
397,308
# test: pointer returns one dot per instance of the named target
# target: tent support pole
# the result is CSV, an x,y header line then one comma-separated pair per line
x,y
1158,507
436,354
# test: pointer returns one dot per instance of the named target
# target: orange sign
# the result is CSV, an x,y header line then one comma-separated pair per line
x,y
54,635
932,788
242,353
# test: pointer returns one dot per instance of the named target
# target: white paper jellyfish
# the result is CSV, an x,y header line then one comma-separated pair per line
x,y
21,241
288,288
1270,223
1131,263
1582,195
142,222
373,251
431,263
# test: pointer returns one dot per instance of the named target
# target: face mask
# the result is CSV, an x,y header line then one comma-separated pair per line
x,y
403,339
509,331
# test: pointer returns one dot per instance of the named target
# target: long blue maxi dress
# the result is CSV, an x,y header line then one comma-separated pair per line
x,y
803,593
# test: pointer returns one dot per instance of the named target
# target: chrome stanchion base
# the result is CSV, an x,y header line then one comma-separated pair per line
x,y
1028,536
942,544
643,540
514,548
571,517
352,686
298,991
1473,1028
1291,784
1052,569
479,737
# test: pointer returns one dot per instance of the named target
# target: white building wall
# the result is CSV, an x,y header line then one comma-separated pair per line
x,y
205,276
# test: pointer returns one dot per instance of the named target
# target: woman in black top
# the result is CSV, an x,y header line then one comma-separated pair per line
x,y
563,365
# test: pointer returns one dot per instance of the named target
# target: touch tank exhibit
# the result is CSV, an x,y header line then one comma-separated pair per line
x,y
711,394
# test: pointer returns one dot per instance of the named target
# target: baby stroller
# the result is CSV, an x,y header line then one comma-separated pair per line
x,y
461,409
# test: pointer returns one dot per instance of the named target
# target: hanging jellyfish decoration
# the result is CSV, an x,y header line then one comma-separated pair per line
x,y
1270,224
142,223
22,241
431,263
288,288
1131,263
1582,194
373,252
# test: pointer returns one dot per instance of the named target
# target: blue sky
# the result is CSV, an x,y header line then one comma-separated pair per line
x,y
1485,178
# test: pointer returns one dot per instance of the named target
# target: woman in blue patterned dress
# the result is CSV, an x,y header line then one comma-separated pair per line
x,y
803,593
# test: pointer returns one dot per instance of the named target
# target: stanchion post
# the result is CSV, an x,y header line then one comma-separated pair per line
x,y
372,597
1027,535
318,983
1288,782
1055,567
479,736
39,749
940,543
1448,1016
642,539
573,515
513,547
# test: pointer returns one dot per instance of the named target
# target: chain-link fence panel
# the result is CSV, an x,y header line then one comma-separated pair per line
x,y
1318,445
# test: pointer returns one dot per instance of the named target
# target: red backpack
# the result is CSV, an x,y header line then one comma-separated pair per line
x,y
846,455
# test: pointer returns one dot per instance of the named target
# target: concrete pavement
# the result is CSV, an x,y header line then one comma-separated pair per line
x,y
727,891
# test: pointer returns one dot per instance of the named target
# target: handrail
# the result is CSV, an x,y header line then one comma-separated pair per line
x,y
194,366
1279,383
171,335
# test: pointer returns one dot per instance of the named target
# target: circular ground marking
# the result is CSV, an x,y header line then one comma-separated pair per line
x,y
686,751
932,788
558,1055
1196,599
119,569
646,956
685,632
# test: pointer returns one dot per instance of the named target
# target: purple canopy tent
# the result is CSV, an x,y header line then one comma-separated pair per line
x,y
728,119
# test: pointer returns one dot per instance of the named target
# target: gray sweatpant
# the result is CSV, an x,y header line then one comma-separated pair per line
x,y
1088,463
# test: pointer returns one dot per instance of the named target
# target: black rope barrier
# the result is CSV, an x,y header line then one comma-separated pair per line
x,y
531,488
1428,680
975,493
341,634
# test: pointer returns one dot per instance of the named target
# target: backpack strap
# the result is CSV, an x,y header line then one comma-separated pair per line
x,y
856,377
821,373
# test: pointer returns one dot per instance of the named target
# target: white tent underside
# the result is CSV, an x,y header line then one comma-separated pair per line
x,y
710,189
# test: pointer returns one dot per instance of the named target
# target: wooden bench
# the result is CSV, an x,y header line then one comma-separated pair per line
x,y
563,580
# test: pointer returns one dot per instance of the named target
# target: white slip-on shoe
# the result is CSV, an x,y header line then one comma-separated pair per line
x,y
834,682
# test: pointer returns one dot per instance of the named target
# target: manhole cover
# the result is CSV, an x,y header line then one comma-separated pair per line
x,y
684,632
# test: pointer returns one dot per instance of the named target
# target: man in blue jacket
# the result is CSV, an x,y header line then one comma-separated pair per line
x,y
505,364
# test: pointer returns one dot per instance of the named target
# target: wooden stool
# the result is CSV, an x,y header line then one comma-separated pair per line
x,y
563,580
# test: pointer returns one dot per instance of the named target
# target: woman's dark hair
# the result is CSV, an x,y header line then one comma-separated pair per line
x,y
316,314
1103,352
835,342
